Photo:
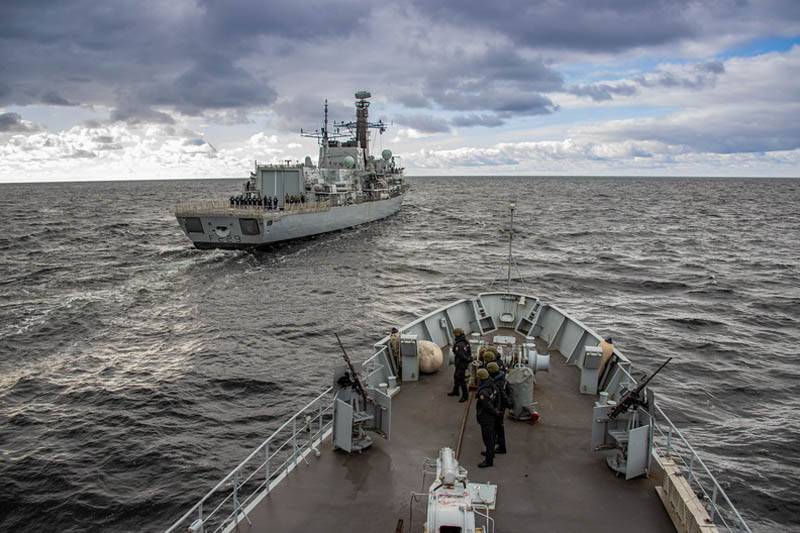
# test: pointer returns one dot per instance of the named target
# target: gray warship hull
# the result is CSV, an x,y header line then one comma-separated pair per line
x,y
218,225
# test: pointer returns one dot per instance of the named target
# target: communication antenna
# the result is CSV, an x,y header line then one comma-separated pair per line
x,y
512,206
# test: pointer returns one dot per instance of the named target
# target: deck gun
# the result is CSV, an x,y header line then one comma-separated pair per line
x,y
634,397
622,432
358,409
351,379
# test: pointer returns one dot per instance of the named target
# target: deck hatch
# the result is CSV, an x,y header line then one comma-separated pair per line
x,y
193,225
249,226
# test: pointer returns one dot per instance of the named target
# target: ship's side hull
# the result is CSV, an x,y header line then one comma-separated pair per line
x,y
230,231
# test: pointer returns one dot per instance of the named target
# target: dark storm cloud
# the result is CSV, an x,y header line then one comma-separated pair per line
x,y
138,114
411,100
53,98
210,84
177,54
602,25
306,112
13,123
498,79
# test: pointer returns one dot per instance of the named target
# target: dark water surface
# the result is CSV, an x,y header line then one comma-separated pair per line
x,y
135,371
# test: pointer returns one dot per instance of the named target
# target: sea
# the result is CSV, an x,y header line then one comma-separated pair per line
x,y
136,371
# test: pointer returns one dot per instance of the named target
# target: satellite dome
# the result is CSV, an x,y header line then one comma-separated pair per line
x,y
386,154
308,161
349,162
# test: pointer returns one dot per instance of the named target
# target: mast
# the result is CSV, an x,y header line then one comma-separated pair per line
x,y
324,156
510,241
362,120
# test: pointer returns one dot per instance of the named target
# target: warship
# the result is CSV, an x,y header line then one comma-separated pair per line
x,y
280,202
384,449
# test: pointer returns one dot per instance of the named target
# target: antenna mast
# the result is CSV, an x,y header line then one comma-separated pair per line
x,y
325,126
510,240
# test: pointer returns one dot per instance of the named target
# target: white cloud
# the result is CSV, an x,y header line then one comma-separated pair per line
x,y
117,150
572,156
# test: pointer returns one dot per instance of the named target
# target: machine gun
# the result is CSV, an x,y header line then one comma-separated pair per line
x,y
354,380
633,397
357,409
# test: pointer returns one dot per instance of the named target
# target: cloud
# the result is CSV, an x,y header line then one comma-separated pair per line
x,y
572,156
721,130
423,123
493,78
694,76
53,98
306,112
12,122
473,119
603,91
210,85
139,114
697,76
119,150
607,26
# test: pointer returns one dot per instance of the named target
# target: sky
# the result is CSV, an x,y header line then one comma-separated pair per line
x,y
140,89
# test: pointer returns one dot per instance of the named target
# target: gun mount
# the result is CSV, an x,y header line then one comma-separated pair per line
x,y
622,430
357,409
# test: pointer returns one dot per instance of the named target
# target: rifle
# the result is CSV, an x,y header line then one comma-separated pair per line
x,y
353,374
631,398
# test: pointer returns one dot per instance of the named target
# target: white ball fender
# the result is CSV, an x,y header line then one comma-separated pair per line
x,y
430,355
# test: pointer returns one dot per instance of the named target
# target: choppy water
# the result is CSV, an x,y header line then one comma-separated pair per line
x,y
136,371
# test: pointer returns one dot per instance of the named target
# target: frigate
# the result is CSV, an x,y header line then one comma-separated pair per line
x,y
291,200
590,445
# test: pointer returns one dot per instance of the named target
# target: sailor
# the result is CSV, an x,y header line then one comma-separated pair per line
x,y
487,413
394,348
489,356
232,199
463,357
607,347
503,402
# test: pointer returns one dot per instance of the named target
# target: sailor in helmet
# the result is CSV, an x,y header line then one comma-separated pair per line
x,y
503,402
463,357
487,413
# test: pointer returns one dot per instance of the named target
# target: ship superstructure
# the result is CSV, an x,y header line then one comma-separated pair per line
x,y
348,186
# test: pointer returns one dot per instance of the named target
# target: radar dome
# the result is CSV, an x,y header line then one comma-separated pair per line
x,y
349,162
386,154
308,161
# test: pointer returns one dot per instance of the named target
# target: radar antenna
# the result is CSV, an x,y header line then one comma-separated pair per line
x,y
323,135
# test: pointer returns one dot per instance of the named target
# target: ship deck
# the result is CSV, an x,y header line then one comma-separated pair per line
x,y
550,481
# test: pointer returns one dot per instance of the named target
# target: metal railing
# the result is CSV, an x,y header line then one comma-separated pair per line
x,y
670,443
224,208
262,470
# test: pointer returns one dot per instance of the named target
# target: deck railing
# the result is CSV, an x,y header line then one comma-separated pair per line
x,y
223,208
227,503
670,443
